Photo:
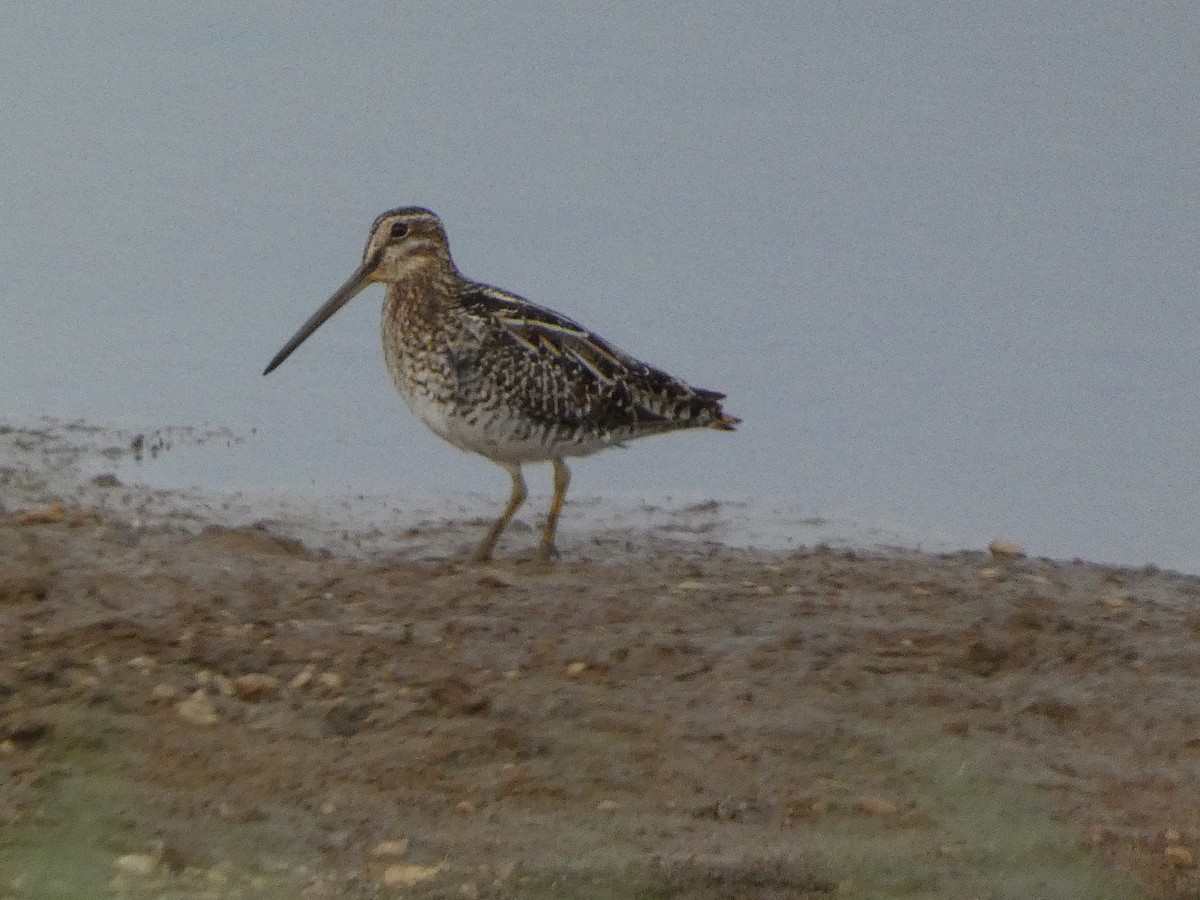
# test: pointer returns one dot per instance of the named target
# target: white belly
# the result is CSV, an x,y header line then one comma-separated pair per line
x,y
496,436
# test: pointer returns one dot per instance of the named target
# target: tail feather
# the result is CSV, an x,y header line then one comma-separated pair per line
x,y
725,422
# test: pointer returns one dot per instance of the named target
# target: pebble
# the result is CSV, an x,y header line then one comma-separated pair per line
x,y
255,687
608,806
331,680
404,875
1005,550
302,678
876,806
52,513
576,668
136,864
495,578
198,709
1179,857
395,847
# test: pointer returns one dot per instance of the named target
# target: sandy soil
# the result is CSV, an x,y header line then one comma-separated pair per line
x,y
197,710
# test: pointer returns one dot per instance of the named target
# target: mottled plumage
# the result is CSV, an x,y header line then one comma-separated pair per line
x,y
496,375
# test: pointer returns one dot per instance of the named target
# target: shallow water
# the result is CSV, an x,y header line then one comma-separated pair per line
x,y
943,262
123,474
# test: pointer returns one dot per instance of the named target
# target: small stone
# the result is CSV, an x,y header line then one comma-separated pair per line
x,y
608,806
576,668
395,847
494,578
1005,550
255,687
686,586
141,663
137,865
1113,602
876,806
52,513
331,680
1179,857
404,875
301,679
198,709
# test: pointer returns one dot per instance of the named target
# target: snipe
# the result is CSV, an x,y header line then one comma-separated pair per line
x,y
496,375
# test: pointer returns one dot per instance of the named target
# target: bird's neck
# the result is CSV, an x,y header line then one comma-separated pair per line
x,y
419,300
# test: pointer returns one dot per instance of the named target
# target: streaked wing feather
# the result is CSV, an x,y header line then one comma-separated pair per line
x,y
621,390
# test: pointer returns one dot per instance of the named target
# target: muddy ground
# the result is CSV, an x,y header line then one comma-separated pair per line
x,y
191,710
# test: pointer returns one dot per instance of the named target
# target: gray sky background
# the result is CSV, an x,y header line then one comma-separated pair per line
x,y
942,258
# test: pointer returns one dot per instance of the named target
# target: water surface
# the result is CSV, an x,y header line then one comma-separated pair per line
x,y
943,261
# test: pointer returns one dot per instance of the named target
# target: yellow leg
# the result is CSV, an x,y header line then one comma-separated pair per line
x,y
484,553
562,478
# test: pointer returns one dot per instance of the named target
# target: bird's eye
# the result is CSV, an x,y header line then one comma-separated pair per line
x,y
399,230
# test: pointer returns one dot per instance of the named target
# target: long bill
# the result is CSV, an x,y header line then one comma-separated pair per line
x,y
343,295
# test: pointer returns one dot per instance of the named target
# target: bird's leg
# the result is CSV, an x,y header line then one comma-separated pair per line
x,y
484,553
562,478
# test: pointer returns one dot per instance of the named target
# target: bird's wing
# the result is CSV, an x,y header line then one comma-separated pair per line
x,y
547,333
617,384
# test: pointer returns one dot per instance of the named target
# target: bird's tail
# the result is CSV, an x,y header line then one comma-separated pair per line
x,y
725,422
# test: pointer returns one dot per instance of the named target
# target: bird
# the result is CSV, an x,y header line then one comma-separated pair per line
x,y
497,375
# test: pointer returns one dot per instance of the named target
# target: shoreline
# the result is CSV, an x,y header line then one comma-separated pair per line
x,y
193,707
